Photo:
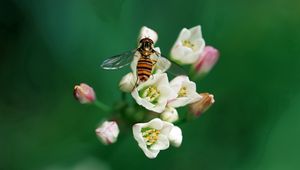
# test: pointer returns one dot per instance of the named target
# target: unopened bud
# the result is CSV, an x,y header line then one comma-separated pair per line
x,y
175,136
84,93
108,132
127,83
206,61
170,115
202,105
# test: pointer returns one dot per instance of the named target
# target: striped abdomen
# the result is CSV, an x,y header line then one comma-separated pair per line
x,y
144,68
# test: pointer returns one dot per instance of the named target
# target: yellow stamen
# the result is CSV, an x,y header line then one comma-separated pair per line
x,y
187,43
182,92
151,93
151,136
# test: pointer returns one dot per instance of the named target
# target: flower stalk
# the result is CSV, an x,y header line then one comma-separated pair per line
x,y
102,106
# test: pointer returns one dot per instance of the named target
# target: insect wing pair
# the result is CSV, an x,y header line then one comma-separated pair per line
x,y
124,59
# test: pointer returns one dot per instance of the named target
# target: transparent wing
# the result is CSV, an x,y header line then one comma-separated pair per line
x,y
166,65
118,61
162,63
176,69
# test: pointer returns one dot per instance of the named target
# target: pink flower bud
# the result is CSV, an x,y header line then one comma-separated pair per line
x,y
207,60
84,93
202,105
108,132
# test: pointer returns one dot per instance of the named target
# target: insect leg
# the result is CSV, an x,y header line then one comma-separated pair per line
x,y
136,82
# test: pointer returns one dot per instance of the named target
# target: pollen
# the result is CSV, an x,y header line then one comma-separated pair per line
x,y
150,135
188,43
182,92
151,94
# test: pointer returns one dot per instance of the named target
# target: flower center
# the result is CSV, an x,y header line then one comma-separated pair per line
x,y
182,92
150,135
187,43
151,94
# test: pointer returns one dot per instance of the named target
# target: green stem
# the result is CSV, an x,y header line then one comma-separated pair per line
x,y
102,106
192,73
123,96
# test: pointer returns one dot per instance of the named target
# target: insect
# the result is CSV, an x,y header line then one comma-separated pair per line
x,y
147,59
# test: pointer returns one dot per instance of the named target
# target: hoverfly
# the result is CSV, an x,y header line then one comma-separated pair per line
x,y
147,59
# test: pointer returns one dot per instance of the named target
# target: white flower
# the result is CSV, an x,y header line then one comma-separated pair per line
x,y
170,114
175,136
154,93
108,132
186,92
188,46
127,83
148,33
152,136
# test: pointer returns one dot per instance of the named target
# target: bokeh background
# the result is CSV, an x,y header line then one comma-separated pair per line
x,y
48,46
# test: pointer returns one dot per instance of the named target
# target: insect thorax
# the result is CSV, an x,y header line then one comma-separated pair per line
x,y
146,52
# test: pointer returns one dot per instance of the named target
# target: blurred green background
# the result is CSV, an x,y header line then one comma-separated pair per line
x,y
48,46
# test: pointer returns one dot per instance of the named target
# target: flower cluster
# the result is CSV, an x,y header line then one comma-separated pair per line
x,y
159,96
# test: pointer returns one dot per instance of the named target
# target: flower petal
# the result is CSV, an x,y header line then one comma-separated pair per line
x,y
175,136
148,33
167,128
162,143
150,153
156,124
